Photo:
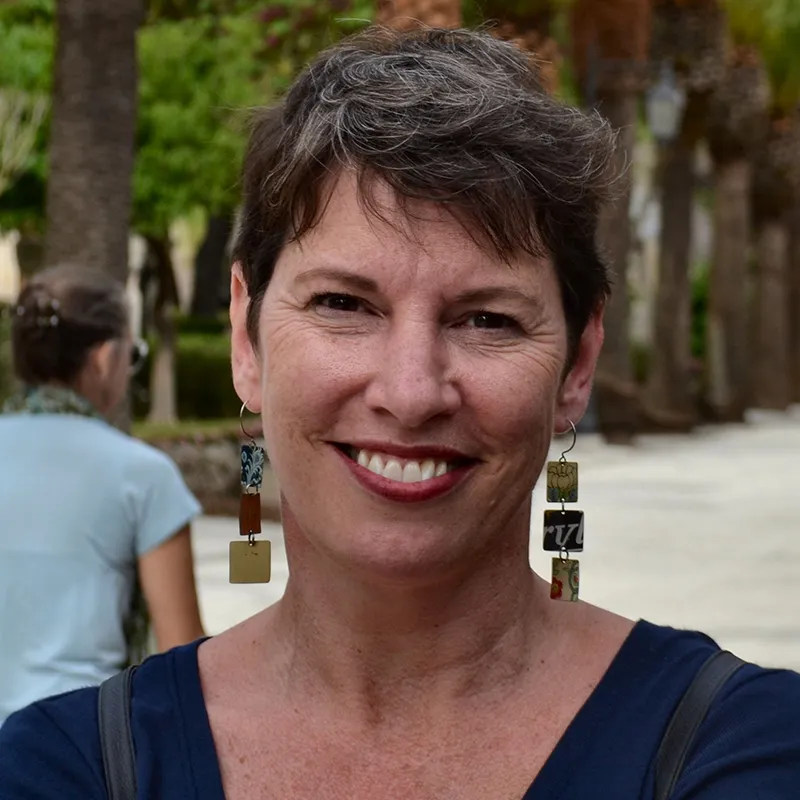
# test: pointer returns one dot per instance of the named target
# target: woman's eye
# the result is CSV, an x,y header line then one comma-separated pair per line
x,y
337,302
487,319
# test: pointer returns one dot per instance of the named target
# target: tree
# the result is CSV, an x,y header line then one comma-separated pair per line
x,y
793,224
21,115
610,49
737,128
691,35
530,24
194,74
26,72
198,76
92,133
776,190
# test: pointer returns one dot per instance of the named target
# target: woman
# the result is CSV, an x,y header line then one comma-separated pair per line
x,y
82,505
417,291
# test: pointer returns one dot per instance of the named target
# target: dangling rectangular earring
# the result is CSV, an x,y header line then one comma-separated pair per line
x,y
563,530
250,561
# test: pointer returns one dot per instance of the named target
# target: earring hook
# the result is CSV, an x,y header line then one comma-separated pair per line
x,y
241,421
574,437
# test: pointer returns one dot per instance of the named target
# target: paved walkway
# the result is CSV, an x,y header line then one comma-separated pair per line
x,y
699,531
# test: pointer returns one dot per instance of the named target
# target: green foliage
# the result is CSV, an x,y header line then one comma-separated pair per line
x,y
194,73
203,378
188,430
198,76
216,326
28,12
773,26
26,64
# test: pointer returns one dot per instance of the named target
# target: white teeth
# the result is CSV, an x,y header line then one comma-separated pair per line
x,y
394,470
411,473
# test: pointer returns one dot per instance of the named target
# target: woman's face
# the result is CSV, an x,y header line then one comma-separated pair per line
x,y
409,383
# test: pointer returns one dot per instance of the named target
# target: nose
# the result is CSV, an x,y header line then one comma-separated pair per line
x,y
412,379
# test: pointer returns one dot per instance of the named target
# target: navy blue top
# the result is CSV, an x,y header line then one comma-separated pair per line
x,y
748,746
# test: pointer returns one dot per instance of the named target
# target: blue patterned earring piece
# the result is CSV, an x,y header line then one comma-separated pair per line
x,y
250,560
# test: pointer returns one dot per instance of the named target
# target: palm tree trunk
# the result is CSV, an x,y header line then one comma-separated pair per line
x,y
615,391
794,302
771,366
668,400
728,342
92,133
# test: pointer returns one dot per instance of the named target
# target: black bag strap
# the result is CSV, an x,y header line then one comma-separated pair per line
x,y
116,739
688,716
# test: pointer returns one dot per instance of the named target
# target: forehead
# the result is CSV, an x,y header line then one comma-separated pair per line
x,y
379,234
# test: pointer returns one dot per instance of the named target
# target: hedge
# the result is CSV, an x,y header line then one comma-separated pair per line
x,y
203,375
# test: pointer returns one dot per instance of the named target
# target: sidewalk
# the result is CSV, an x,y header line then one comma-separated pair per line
x,y
699,531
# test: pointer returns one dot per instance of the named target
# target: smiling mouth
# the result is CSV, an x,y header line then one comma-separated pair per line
x,y
402,470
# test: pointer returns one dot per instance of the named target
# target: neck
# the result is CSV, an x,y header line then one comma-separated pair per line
x,y
380,644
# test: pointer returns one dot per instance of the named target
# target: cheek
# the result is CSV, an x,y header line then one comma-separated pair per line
x,y
307,376
513,397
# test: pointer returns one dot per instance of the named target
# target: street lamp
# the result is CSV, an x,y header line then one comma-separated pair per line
x,y
664,104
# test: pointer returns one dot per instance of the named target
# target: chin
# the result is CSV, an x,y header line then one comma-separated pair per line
x,y
385,550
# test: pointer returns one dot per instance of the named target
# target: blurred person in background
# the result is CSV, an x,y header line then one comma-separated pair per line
x,y
83,506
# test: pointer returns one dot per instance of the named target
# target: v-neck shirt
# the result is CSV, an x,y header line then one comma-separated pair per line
x,y
747,747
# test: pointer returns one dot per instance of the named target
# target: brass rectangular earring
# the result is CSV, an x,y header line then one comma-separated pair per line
x,y
563,530
250,561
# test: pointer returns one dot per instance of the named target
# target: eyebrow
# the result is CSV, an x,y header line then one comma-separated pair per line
x,y
359,282
485,294
488,293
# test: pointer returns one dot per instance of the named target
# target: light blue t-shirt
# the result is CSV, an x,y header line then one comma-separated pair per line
x,y
79,503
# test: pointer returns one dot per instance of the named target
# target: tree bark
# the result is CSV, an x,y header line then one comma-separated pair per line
x,y
615,391
727,339
668,401
206,301
92,134
794,302
163,390
771,362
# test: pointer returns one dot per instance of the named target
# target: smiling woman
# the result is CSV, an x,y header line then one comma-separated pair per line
x,y
416,308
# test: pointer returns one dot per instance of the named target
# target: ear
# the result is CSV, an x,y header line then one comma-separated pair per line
x,y
573,398
244,358
102,359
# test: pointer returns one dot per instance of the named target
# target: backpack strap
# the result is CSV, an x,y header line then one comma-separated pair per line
x,y
690,713
116,739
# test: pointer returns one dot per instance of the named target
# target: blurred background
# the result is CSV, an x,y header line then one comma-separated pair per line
x,y
122,127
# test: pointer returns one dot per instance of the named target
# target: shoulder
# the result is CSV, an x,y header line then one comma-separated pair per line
x,y
146,468
749,744
51,749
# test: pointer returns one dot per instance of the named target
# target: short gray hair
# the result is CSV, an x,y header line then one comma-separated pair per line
x,y
455,117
